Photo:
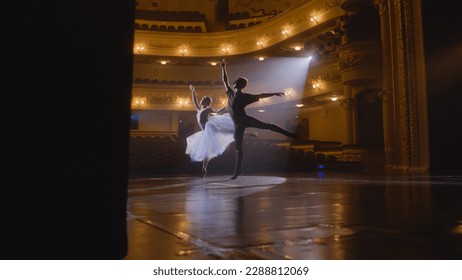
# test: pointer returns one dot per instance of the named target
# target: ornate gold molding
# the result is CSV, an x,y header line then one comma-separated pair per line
x,y
326,75
359,54
406,76
239,41
360,63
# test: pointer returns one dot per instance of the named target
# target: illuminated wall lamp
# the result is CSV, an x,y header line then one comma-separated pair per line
x,y
140,48
139,101
289,92
225,50
183,103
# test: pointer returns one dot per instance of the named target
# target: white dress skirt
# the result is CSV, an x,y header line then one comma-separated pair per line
x,y
213,140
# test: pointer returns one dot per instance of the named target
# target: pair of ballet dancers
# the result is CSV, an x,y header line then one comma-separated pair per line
x,y
219,129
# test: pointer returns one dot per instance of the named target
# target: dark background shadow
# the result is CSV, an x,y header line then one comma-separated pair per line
x,y
443,52
66,144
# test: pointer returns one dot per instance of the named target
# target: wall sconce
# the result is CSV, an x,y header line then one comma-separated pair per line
x,y
334,98
289,92
163,62
260,44
183,51
213,63
285,32
140,47
261,58
316,85
314,19
182,102
300,105
225,50
297,48
139,101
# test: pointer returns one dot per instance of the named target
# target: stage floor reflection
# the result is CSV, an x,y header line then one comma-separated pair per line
x,y
319,216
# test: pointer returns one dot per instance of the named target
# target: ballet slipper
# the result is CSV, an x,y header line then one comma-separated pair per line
x,y
203,173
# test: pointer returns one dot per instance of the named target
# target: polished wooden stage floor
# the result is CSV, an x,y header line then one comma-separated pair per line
x,y
315,215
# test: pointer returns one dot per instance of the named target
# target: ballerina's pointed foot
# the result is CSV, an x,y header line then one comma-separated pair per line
x,y
203,173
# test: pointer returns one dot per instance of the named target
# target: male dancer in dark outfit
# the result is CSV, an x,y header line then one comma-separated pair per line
x,y
237,101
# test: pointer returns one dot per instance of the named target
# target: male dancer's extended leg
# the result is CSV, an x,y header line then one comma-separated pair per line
x,y
253,122
238,142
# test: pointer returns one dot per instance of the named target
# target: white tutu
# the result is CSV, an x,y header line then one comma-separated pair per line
x,y
213,140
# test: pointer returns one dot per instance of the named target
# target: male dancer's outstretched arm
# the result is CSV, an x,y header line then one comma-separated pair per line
x,y
266,95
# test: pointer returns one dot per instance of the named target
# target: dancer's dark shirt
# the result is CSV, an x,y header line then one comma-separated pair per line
x,y
237,104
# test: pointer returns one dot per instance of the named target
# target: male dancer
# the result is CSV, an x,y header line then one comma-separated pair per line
x,y
237,101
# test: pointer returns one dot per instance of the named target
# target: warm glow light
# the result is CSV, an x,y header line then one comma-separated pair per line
x,y
314,18
289,91
285,32
139,101
261,111
183,51
183,102
213,63
163,62
297,48
261,58
334,98
299,105
140,47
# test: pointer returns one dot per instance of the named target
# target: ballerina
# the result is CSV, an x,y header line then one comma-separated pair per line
x,y
217,132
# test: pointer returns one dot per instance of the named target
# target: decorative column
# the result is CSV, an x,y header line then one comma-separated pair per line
x,y
387,87
409,86
347,104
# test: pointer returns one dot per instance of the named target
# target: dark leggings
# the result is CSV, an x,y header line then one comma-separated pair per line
x,y
239,128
